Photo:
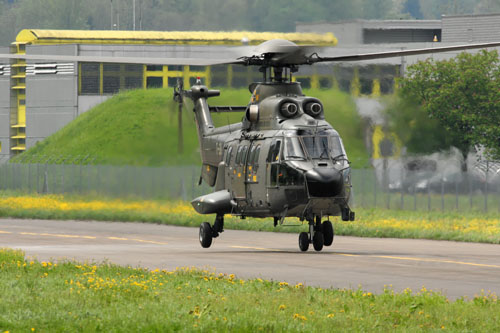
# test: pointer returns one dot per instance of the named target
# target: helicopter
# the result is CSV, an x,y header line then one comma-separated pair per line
x,y
283,159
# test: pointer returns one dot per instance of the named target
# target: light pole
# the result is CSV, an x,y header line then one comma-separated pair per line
x,y
133,13
111,1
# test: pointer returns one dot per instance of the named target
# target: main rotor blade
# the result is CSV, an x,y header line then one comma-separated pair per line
x,y
401,53
123,60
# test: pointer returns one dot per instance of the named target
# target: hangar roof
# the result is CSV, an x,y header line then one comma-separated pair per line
x,y
44,37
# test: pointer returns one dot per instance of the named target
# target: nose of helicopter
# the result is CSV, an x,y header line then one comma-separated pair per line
x,y
324,182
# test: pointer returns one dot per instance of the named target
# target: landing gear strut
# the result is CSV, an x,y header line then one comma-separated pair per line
x,y
208,232
320,234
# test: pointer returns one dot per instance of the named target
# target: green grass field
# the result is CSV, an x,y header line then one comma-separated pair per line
x,y
139,127
101,297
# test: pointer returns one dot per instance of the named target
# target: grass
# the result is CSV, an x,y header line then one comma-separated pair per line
x,y
456,226
139,127
70,296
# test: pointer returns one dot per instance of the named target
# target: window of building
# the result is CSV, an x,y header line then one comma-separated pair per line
x,y
154,82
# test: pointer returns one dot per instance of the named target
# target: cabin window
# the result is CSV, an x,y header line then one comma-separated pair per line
x,y
228,155
243,155
256,157
238,156
251,156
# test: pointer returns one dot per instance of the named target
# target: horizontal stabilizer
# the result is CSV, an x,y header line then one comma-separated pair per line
x,y
228,108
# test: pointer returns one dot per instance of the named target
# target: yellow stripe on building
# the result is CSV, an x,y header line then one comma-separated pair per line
x,y
43,37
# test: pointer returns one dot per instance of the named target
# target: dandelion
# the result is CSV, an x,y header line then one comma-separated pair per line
x,y
282,307
300,317
283,284
330,315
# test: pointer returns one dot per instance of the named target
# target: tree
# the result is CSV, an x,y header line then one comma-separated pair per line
x,y
411,123
463,95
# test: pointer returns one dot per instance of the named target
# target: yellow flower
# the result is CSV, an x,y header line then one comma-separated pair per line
x,y
300,317
282,307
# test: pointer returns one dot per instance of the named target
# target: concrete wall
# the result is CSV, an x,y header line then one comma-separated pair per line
x,y
471,28
86,103
51,99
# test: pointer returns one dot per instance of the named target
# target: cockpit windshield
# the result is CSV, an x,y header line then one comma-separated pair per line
x,y
324,145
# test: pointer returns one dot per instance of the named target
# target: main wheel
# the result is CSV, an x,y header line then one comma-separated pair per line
x,y
318,241
304,241
328,233
205,235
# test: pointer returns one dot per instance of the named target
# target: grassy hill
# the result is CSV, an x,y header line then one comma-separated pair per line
x,y
139,127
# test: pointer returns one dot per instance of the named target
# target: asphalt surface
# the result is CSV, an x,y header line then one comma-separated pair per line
x,y
456,269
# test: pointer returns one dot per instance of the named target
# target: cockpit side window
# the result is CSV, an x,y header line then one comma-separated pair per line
x,y
335,147
275,151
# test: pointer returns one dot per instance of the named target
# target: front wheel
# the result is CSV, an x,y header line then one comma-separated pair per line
x,y
304,241
205,235
328,233
318,241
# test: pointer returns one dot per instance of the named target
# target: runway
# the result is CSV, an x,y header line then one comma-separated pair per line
x,y
456,269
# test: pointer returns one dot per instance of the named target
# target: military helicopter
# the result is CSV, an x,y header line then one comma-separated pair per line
x,y
283,159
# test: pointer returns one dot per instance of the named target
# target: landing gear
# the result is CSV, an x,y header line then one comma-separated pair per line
x,y
314,236
207,232
347,214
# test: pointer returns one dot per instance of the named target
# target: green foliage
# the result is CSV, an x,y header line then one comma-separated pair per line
x,y
411,123
139,127
71,296
462,94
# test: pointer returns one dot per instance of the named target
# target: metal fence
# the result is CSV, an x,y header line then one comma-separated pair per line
x,y
427,191
411,191
176,182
